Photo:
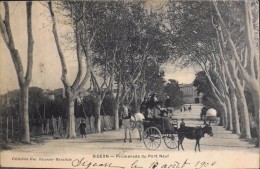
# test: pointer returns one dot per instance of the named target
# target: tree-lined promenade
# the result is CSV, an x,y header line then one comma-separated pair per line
x,y
224,148
120,48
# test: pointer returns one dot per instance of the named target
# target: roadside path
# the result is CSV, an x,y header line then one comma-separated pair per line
x,y
223,147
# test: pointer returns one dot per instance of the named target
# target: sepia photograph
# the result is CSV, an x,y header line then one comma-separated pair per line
x,y
129,84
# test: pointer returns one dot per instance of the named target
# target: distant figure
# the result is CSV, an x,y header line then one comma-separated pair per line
x,y
182,123
203,113
181,109
189,108
184,108
82,128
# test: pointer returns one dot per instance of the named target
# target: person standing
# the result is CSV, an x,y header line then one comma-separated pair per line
x,y
189,108
82,129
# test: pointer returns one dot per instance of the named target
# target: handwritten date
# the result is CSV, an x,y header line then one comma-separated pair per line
x,y
136,164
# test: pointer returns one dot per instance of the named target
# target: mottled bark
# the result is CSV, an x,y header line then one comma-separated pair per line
x,y
233,101
98,104
117,102
252,82
72,90
70,108
24,81
25,110
229,114
244,119
225,118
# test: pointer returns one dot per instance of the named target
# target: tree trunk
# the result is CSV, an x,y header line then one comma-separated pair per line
x,y
224,118
7,129
233,101
229,114
116,108
244,115
245,120
25,102
117,101
97,114
1,126
71,126
256,99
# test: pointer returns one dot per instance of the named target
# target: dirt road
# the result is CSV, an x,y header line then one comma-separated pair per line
x,y
223,150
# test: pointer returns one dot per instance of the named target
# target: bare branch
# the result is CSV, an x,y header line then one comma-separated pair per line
x,y
62,58
3,31
231,43
5,26
79,58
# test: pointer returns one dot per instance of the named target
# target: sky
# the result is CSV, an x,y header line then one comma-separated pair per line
x,y
46,64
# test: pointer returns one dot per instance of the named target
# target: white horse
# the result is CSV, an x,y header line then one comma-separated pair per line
x,y
130,122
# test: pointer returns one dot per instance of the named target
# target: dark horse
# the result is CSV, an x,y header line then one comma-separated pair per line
x,y
193,133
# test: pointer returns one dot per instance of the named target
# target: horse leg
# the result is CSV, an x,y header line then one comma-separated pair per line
x,y
196,145
130,140
182,142
179,143
141,129
199,145
125,134
140,133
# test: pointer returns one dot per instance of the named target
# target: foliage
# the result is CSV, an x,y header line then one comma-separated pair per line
x,y
201,82
172,89
108,104
155,80
189,25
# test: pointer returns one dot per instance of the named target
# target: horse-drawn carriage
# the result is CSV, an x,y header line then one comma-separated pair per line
x,y
154,130
209,115
158,129
166,129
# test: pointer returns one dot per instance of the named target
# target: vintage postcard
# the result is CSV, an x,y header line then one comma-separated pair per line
x,y
122,84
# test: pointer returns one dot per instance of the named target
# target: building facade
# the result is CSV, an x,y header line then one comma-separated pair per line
x,y
190,95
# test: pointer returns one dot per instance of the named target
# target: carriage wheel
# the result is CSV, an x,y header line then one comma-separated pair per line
x,y
152,138
171,141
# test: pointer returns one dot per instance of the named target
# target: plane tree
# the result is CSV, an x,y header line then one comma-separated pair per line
x,y
24,78
249,66
72,90
200,44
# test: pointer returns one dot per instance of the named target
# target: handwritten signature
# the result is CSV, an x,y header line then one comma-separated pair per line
x,y
137,165
84,163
